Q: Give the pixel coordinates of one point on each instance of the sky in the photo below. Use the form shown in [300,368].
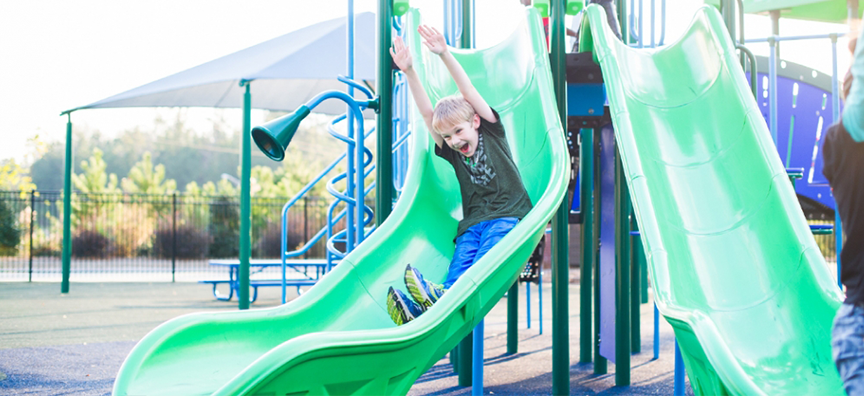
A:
[60,54]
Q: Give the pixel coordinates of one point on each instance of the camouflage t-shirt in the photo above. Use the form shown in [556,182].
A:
[490,184]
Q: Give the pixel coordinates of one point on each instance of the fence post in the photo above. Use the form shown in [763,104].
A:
[173,235]
[305,219]
[32,207]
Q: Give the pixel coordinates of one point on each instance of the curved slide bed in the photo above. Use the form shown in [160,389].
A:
[734,266]
[337,338]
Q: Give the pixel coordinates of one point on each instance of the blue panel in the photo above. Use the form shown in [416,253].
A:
[576,205]
[812,109]
[607,243]
[585,99]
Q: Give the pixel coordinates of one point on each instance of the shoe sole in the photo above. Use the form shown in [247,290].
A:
[393,308]
[416,291]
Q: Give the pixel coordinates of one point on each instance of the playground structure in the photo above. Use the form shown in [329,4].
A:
[269,351]
[717,354]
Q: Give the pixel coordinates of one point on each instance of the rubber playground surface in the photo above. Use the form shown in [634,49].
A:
[74,344]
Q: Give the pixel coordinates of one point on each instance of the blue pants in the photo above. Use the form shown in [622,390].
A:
[474,243]
[847,347]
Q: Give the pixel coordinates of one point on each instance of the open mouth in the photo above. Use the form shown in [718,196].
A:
[464,149]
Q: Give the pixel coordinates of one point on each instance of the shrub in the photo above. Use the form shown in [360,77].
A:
[268,244]
[192,243]
[10,235]
[224,228]
[89,243]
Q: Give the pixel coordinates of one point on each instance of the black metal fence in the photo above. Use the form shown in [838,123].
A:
[143,237]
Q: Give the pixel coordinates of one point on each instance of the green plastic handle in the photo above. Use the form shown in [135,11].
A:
[400,7]
[574,7]
[543,7]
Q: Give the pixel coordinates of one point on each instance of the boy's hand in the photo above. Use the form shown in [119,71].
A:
[401,55]
[434,40]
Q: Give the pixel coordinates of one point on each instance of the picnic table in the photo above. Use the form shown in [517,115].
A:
[303,273]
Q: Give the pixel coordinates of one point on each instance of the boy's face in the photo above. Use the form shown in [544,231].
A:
[463,136]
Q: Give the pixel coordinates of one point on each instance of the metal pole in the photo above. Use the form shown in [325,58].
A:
[656,332]
[465,366]
[635,289]
[527,304]
[477,370]
[679,372]
[467,37]
[622,275]
[67,208]
[653,23]
[513,319]
[622,21]
[173,236]
[641,25]
[540,300]
[467,356]
[305,219]
[560,223]
[384,172]
[32,210]
[586,178]
[355,188]
[775,30]
[245,198]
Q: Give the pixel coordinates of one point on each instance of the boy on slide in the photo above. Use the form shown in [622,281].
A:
[469,135]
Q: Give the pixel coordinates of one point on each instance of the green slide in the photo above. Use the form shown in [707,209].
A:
[337,338]
[734,267]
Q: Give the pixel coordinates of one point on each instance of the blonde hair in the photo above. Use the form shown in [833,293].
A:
[450,111]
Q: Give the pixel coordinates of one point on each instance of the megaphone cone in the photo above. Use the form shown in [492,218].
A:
[273,137]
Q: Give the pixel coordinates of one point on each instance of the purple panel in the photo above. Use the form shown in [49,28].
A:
[607,243]
[812,109]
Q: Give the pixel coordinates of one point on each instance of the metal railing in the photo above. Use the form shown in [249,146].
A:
[144,237]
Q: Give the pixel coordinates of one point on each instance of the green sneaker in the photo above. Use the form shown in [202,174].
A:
[401,309]
[424,292]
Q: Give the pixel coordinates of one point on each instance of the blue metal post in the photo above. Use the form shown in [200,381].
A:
[528,303]
[653,22]
[540,299]
[477,373]
[679,372]
[656,332]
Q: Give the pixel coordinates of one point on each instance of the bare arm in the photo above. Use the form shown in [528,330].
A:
[435,42]
[402,58]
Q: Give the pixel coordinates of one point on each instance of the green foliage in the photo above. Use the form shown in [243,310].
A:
[90,243]
[224,228]
[187,155]
[192,242]
[222,188]
[197,161]
[14,177]
[144,178]
[10,235]
[95,179]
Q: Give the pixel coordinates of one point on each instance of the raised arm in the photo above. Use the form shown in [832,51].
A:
[435,42]
[402,58]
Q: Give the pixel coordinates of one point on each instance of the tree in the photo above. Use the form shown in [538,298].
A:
[10,235]
[144,178]
[14,177]
[95,178]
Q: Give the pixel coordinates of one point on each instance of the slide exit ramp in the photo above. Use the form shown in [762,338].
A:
[337,338]
[735,269]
